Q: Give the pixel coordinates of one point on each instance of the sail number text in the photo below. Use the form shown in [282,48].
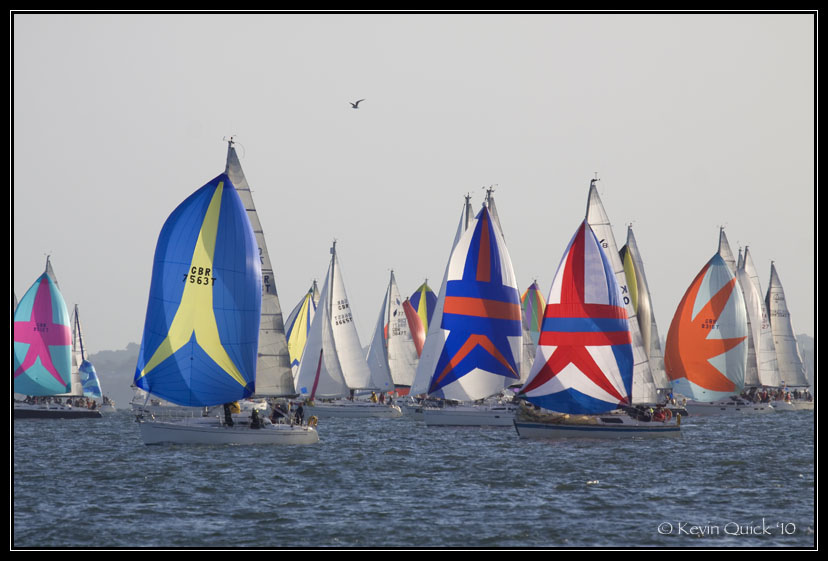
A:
[345,315]
[200,275]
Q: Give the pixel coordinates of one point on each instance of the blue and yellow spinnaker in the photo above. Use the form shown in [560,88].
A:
[202,326]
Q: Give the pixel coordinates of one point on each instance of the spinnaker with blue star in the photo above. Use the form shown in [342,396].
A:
[201,333]
[477,349]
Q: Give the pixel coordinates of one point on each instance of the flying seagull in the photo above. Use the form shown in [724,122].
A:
[356,105]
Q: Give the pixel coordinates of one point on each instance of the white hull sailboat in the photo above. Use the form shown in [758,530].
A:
[475,341]
[213,333]
[793,405]
[333,365]
[465,415]
[353,409]
[707,343]
[734,405]
[392,354]
[791,366]
[212,430]
[44,369]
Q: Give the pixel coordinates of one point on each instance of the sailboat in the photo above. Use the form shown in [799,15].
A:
[419,308]
[706,350]
[42,369]
[333,367]
[392,353]
[642,302]
[297,325]
[581,381]
[762,368]
[86,370]
[201,345]
[532,306]
[475,341]
[791,367]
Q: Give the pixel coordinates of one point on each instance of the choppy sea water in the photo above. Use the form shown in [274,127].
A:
[727,482]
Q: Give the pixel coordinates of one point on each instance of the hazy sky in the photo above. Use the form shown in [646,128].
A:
[691,121]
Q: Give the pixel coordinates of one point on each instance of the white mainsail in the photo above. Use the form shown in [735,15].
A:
[644,388]
[273,373]
[392,354]
[320,374]
[762,368]
[726,252]
[334,338]
[791,366]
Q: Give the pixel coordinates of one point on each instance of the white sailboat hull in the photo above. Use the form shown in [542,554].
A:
[727,407]
[353,409]
[210,430]
[623,427]
[795,405]
[470,416]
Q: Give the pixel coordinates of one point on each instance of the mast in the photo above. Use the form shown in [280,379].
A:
[80,334]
